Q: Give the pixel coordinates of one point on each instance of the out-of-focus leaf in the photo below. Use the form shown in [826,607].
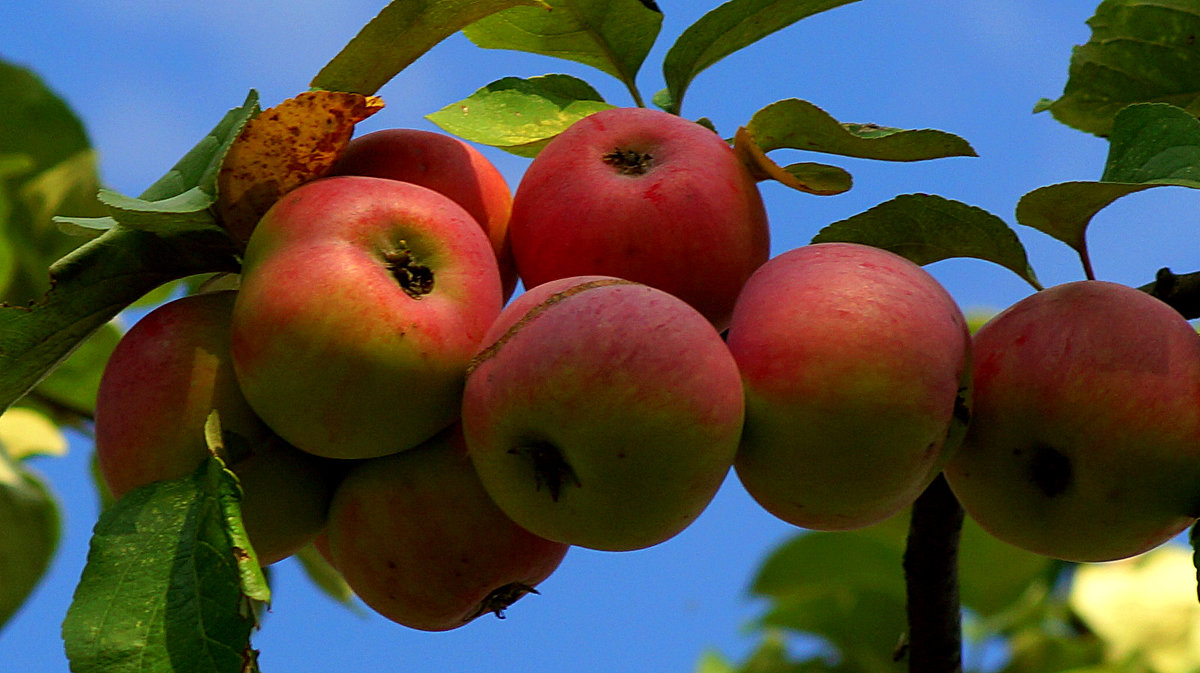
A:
[282,148]
[994,575]
[25,432]
[1037,649]
[1139,52]
[164,585]
[1139,608]
[726,29]
[520,115]
[73,384]
[798,124]
[399,35]
[611,35]
[926,228]
[820,179]
[30,523]
[1152,145]
[325,576]
[865,625]
[34,121]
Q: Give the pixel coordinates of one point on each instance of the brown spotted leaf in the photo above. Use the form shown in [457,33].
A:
[287,145]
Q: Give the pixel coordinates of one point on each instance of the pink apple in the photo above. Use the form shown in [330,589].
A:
[855,363]
[1085,441]
[444,164]
[417,538]
[362,301]
[602,413]
[643,195]
[169,371]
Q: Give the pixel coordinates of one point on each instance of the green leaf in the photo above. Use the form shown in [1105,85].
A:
[611,35]
[182,212]
[994,575]
[798,124]
[813,564]
[726,29]
[34,121]
[325,576]
[399,35]
[926,229]
[1151,145]
[30,520]
[520,115]
[73,384]
[163,589]
[1140,51]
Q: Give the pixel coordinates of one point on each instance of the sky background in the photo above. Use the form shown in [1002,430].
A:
[150,79]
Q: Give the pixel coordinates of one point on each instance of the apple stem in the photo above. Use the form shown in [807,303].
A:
[931,576]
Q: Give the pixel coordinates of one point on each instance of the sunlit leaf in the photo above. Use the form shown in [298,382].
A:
[813,178]
[399,35]
[798,124]
[726,29]
[927,229]
[611,35]
[30,523]
[520,115]
[282,148]
[25,432]
[1139,52]
[163,583]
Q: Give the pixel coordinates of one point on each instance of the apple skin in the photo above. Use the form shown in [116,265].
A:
[446,165]
[417,538]
[856,368]
[1085,441]
[692,225]
[330,348]
[164,377]
[602,413]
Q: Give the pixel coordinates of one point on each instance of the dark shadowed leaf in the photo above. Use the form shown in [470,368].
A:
[611,35]
[1139,52]
[726,29]
[520,115]
[30,523]
[798,124]
[163,588]
[1151,145]
[72,385]
[402,32]
[926,229]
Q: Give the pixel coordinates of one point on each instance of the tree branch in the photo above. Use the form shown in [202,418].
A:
[931,574]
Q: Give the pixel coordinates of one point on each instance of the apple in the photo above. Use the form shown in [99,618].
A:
[417,538]
[602,413]
[643,195]
[444,164]
[856,368]
[1085,441]
[362,301]
[167,373]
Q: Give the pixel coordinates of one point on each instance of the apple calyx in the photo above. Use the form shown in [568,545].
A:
[550,469]
[500,599]
[534,312]
[1050,470]
[630,162]
[415,279]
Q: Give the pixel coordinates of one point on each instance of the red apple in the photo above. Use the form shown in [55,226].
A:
[643,195]
[1085,441]
[417,538]
[446,165]
[362,301]
[169,371]
[602,413]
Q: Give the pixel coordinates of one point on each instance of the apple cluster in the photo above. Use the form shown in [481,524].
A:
[384,396]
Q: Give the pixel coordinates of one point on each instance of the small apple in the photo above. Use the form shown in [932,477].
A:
[168,372]
[602,413]
[362,301]
[446,165]
[417,538]
[856,368]
[1085,440]
[643,195]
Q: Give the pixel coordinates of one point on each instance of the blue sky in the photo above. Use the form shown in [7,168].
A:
[149,79]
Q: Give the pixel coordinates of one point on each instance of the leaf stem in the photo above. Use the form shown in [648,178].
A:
[931,576]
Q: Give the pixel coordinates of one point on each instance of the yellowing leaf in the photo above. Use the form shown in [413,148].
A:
[1142,607]
[284,147]
[25,432]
